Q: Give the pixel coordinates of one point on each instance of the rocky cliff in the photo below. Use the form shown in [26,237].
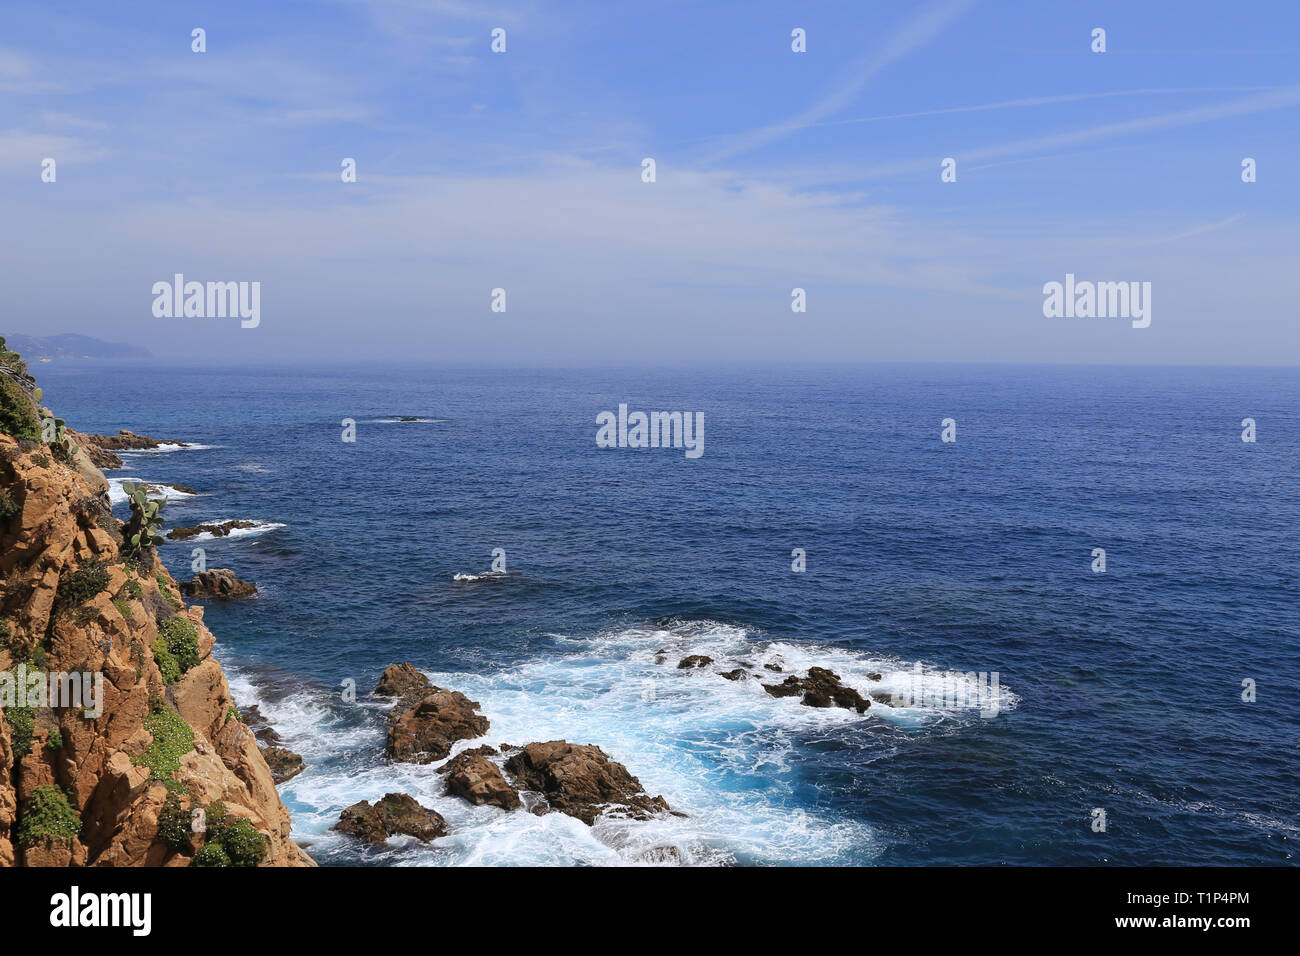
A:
[115,778]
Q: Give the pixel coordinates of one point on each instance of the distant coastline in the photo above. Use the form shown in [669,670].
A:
[72,346]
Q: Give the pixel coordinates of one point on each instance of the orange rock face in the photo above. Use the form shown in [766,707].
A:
[71,603]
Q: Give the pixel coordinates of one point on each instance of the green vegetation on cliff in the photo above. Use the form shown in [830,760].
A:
[172,740]
[49,818]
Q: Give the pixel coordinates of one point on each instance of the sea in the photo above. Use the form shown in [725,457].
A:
[1147,713]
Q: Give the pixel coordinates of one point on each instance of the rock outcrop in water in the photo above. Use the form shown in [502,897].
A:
[471,775]
[400,680]
[577,779]
[821,688]
[396,813]
[284,763]
[114,787]
[217,584]
[423,728]
[216,530]
[129,441]
[581,780]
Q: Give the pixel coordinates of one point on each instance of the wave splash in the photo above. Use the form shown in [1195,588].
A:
[724,752]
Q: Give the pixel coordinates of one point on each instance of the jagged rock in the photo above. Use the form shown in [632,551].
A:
[129,441]
[284,764]
[258,724]
[401,680]
[885,699]
[790,687]
[395,813]
[738,674]
[99,456]
[821,688]
[154,491]
[873,677]
[55,532]
[422,728]
[773,667]
[216,530]
[581,780]
[693,661]
[472,776]
[218,584]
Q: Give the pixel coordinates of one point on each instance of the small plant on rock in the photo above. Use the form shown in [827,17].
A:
[182,640]
[174,824]
[49,818]
[143,527]
[79,586]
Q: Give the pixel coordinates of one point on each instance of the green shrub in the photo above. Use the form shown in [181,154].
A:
[12,360]
[211,854]
[134,590]
[5,633]
[79,586]
[84,615]
[50,818]
[243,844]
[174,824]
[41,460]
[123,607]
[17,416]
[182,640]
[172,740]
[214,816]
[229,842]
[165,589]
[54,741]
[22,724]
[166,661]
[9,509]
[234,714]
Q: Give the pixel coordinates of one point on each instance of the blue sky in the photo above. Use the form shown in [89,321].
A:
[522,170]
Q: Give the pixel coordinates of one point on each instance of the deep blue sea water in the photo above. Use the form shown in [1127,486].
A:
[1120,691]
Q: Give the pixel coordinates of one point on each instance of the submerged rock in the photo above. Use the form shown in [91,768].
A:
[423,727]
[395,813]
[218,584]
[738,673]
[581,780]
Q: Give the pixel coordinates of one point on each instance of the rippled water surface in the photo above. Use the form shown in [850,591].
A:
[1119,691]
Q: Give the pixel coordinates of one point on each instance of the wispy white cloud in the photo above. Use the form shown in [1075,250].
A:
[22,150]
[1278,98]
[914,34]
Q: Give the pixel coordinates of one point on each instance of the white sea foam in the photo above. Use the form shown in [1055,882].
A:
[162,449]
[117,496]
[466,578]
[259,527]
[725,753]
